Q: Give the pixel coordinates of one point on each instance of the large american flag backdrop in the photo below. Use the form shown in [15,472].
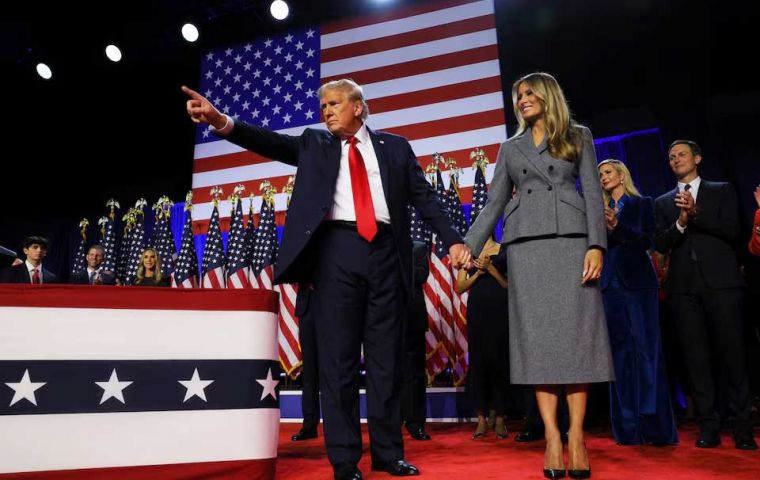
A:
[430,73]
[137,383]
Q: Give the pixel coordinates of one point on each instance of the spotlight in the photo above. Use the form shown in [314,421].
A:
[189,32]
[113,53]
[279,9]
[44,71]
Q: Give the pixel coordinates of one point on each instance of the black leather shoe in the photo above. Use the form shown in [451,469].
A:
[707,441]
[419,434]
[529,436]
[347,472]
[554,473]
[745,442]
[304,434]
[579,473]
[397,468]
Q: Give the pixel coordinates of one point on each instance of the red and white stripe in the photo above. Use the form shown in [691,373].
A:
[190,282]
[239,279]
[214,278]
[460,332]
[430,73]
[287,336]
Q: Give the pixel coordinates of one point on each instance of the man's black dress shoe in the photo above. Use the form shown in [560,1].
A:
[347,472]
[745,442]
[397,468]
[707,441]
[304,434]
[529,436]
[418,434]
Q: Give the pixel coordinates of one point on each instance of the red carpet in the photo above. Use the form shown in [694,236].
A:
[452,454]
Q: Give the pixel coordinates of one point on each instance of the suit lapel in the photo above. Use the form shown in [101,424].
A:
[673,211]
[381,153]
[704,191]
[531,152]
[332,161]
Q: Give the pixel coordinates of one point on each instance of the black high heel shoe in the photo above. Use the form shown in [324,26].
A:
[554,473]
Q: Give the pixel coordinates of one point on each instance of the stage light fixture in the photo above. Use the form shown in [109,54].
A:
[279,9]
[44,71]
[113,53]
[190,32]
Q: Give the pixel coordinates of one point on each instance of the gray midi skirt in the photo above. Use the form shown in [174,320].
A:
[557,328]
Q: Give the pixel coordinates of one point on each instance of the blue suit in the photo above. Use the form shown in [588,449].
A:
[640,408]
[355,291]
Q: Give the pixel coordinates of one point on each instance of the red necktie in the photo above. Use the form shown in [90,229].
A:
[365,211]
[35,276]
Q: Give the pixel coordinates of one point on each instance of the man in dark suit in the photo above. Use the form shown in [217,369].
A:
[94,273]
[413,410]
[697,223]
[347,244]
[31,271]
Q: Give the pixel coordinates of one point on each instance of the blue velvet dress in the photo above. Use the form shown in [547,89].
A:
[640,408]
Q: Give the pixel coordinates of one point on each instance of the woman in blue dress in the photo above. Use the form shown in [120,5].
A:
[640,409]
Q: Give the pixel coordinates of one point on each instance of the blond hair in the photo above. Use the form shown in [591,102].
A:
[563,140]
[352,89]
[628,186]
[141,267]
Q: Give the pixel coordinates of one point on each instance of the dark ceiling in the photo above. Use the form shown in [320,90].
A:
[99,129]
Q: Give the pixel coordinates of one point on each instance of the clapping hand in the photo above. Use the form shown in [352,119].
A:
[610,217]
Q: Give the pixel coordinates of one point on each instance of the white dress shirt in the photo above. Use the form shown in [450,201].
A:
[31,268]
[694,190]
[343,200]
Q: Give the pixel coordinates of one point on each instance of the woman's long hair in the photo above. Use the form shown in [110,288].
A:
[563,140]
[630,188]
[141,267]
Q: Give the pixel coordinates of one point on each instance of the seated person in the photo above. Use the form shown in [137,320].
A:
[31,271]
[94,274]
[149,271]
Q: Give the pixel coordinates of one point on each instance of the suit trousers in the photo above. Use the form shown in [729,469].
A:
[413,409]
[708,323]
[307,337]
[358,301]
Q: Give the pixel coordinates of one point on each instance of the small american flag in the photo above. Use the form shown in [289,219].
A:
[213,254]
[237,252]
[108,237]
[137,242]
[479,190]
[265,245]
[78,264]
[459,323]
[129,224]
[186,273]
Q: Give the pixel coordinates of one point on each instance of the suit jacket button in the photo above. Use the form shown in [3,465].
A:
[551,168]
[530,191]
[525,171]
[549,188]
[308,232]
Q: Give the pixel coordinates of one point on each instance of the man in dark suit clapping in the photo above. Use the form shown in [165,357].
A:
[94,273]
[697,223]
[347,244]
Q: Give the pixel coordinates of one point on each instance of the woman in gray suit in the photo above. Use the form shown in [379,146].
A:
[555,239]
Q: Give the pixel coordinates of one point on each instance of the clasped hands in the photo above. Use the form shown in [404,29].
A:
[685,201]
[460,255]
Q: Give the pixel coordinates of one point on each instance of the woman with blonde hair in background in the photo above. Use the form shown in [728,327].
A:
[640,408]
[149,271]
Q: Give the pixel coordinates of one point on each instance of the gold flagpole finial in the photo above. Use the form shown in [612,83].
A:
[103,221]
[189,201]
[216,193]
[113,205]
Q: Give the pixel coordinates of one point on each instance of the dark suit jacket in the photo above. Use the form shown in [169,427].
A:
[108,278]
[417,311]
[708,240]
[20,274]
[316,153]
[627,246]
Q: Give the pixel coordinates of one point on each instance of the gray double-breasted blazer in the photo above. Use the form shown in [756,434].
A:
[546,201]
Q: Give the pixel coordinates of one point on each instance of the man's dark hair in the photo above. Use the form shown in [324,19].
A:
[35,239]
[97,246]
[695,150]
